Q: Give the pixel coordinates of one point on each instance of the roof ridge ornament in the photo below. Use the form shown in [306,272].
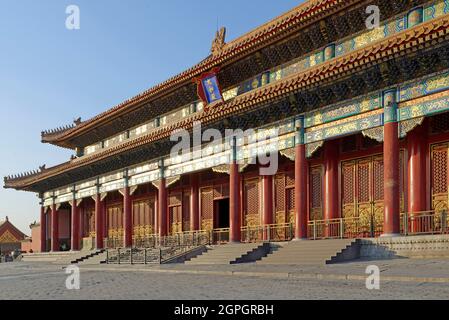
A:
[219,42]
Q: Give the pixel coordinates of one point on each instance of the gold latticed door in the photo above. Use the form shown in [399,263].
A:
[207,209]
[175,213]
[362,196]
[251,211]
[440,177]
[115,225]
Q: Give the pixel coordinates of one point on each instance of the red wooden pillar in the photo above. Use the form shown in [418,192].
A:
[391,165]
[162,208]
[267,182]
[128,223]
[300,182]
[235,231]
[416,170]
[331,180]
[82,221]
[99,222]
[43,229]
[75,234]
[54,229]
[331,158]
[194,203]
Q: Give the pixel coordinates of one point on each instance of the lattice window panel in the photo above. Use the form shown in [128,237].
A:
[316,194]
[279,184]
[207,204]
[439,168]
[378,177]
[290,199]
[252,203]
[290,205]
[363,182]
[175,199]
[348,170]
[186,212]
[290,179]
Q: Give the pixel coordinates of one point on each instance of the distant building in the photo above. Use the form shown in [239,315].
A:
[33,244]
[10,237]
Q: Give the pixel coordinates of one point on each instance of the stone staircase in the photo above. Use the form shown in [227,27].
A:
[231,254]
[49,257]
[312,252]
[65,258]
[93,257]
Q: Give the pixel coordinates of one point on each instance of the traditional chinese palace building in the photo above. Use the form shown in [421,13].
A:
[363,123]
[10,237]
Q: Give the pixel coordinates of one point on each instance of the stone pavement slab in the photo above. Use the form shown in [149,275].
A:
[47,282]
[429,270]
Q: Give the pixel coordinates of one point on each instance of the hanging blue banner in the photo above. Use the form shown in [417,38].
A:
[211,89]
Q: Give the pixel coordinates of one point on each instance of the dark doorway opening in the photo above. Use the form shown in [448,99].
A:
[221,214]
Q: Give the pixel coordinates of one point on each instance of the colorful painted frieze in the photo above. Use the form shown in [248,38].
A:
[425,106]
[343,110]
[424,87]
[344,127]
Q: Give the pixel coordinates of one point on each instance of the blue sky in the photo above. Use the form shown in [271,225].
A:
[49,75]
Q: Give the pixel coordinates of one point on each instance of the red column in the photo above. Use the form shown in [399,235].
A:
[330,207]
[391,166]
[416,188]
[82,223]
[75,240]
[267,182]
[301,192]
[301,218]
[128,223]
[43,230]
[235,232]
[331,180]
[54,229]
[194,204]
[162,208]
[99,222]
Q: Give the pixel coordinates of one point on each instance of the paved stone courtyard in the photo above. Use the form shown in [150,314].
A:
[44,281]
